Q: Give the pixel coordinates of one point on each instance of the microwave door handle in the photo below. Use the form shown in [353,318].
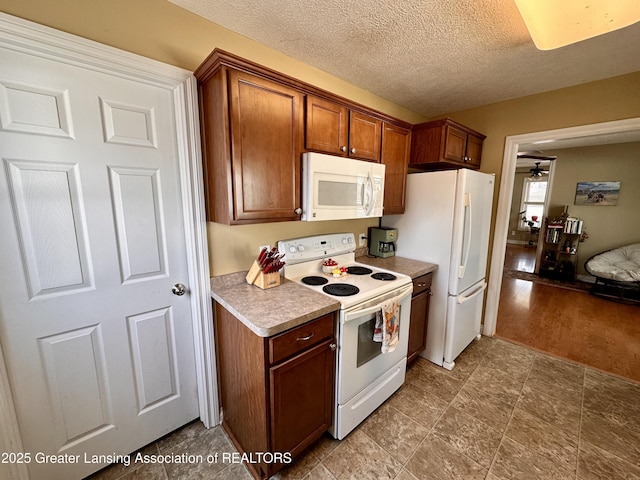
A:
[372,198]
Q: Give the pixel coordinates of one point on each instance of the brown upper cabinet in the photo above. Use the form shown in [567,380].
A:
[252,141]
[253,136]
[333,128]
[396,146]
[445,144]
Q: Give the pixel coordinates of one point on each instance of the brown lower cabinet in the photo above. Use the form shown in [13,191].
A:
[419,316]
[276,393]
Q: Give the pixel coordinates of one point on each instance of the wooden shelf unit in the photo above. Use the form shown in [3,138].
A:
[561,243]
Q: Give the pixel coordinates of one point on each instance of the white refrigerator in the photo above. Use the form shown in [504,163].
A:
[446,222]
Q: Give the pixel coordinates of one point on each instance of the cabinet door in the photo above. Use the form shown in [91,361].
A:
[455,144]
[327,127]
[418,324]
[396,145]
[302,398]
[266,144]
[474,151]
[364,136]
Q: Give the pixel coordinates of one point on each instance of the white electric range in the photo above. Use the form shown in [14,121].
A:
[365,377]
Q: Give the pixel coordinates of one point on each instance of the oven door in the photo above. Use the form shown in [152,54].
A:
[361,361]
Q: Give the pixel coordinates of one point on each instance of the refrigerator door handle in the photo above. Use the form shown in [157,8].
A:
[462,299]
[469,210]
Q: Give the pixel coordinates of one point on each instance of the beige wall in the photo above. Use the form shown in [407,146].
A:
[607,226]
[160,30]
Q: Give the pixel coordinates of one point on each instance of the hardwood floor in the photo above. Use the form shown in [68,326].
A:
[572,325]
[520,257]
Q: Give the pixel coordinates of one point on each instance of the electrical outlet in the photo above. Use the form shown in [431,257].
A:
[362,240]
[513,232]
[268,247]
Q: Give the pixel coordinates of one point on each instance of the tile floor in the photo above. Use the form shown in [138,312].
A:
[504,412]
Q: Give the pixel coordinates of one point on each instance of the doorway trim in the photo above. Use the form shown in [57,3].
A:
[27,37]
[513,143]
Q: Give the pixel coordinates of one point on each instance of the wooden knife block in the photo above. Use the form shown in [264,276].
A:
[262,280]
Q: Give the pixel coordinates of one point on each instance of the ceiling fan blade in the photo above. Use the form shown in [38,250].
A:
[536,156]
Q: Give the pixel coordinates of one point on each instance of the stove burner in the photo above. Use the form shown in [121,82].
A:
[359,270]
[340,289]
[314,280]
[383,276]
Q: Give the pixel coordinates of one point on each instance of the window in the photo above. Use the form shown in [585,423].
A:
[534,192]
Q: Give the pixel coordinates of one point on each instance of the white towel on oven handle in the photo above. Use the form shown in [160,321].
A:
[387,327]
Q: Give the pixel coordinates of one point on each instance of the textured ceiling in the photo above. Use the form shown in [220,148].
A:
[430,56]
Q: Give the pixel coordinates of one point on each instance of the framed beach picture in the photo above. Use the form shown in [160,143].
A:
[597,193]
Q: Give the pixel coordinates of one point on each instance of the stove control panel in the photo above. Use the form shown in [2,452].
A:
[303,249]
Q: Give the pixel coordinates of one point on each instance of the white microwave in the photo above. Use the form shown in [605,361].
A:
[338,188]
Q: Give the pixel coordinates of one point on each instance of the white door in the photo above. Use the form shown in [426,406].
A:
[99,351]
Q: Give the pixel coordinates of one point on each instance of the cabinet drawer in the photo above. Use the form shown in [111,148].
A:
[300,338]
[422,283]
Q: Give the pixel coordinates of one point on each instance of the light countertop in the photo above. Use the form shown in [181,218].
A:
[271,311]
[274,310]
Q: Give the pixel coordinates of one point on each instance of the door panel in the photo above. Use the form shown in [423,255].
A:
[137,206]
[152,340]
[78,384]
[50,221]
[99,352]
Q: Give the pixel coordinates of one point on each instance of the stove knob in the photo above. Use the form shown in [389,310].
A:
[292,249]
[349,240]
[301,248]
[344,240]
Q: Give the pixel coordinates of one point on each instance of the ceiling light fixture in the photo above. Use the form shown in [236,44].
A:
[553,23]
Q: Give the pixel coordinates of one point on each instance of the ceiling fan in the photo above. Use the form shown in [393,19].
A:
[537,155]
[537,171]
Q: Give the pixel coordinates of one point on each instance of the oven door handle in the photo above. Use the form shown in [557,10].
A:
[374,308]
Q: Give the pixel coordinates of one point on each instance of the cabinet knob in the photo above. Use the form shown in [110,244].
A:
[353,150]
[298,211]
[333,347]
[343,148]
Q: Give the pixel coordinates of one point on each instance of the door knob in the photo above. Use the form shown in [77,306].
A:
[179,289]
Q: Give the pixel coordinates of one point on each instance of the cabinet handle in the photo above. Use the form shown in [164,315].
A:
[343,148]
[353,150]
[333,347]
[298,211]
[422,284]
[304,339]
